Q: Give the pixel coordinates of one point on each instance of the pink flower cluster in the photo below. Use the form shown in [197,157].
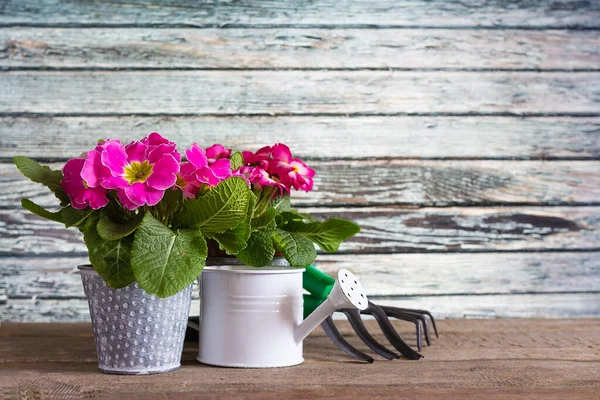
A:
[274,166]
[141,171]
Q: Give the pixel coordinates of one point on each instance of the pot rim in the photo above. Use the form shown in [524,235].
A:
[244,269]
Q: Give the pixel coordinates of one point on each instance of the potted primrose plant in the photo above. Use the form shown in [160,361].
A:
[251,305]
[145,217]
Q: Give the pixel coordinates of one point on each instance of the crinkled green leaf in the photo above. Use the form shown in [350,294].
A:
[282,204]
[234,240]
[165,262]
[110,230]
[297,249]
[250,209]
[44,175]
[111,258]
[328,235]
[266,220]
[259,250]
[223,208]
[237,160]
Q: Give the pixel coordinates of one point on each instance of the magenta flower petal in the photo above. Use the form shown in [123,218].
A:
[96,197]
[222,168]
[187,169]
[216,152]
[302,168]
[125,202]
[136,151]
[80,194]
[155,139]
[93,170]
[157,152]
[262,154]
[282,153]
[164,173]
[197,156]
[142,194]
[207,175]
[112,182]
[114,157]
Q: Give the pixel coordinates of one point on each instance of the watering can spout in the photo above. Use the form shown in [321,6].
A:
[347,292]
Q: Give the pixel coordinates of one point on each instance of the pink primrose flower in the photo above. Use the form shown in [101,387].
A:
[80,193]
[140,171]
[208,173]
[187,181]
[292,171]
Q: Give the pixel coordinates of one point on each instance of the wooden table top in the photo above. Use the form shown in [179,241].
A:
[471,359]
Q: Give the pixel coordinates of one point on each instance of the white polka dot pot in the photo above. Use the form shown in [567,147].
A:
[135,333]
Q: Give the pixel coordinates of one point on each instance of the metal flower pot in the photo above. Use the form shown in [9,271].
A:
[135,333]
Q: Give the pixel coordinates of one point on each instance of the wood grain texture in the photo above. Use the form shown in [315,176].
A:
[473,13]
[383,230]
[298,48]
[318,137]
[390,275]
[473,358]
[405,182]
[298,92]
[541,305]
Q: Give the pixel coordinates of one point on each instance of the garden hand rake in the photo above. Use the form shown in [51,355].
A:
[319,284]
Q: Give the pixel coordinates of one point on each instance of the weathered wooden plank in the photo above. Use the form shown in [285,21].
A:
[389,275]
[298,92]
[319,137]
[298,48]
[563,305]
[451,13]
[409,182]
[493,359]
[383,230]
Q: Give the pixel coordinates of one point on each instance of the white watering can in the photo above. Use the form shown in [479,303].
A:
[252,317]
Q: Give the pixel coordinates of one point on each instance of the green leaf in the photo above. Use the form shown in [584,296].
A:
[68,215]
[110,230]
[328,235]
[297,249]
[250,210]
[74,217]
[223,208]
[282,204]
[42,212]
[110,258]
[266,220]
[259,250]
[234,240]
[165,262]
[237,160]
[44,175]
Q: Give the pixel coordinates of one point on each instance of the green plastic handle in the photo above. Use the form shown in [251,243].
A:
[319,285]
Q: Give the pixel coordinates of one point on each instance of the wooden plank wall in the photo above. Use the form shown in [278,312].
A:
[464,136]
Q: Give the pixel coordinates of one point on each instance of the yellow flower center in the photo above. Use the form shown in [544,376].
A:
[180,181]
[138,172]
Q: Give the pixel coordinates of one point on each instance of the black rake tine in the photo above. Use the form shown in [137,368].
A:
[393,312]
[390,332]
[424,312]
[357,324]
[405,316]
[337,338]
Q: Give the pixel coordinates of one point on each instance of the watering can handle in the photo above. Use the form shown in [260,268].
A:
[319,285]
